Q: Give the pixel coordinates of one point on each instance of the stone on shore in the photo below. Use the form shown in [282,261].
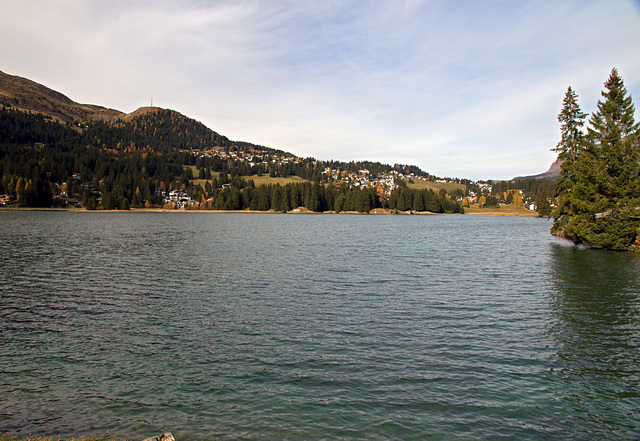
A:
[164,437]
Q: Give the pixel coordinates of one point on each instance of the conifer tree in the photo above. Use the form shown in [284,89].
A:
[613,140]
[599,191]
[569,148]
[571,119]
[418,201]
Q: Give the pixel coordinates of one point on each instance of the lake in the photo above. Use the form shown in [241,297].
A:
[306,327]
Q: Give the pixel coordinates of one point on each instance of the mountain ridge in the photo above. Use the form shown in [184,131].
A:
[24,94]
[57,153]
[552,173]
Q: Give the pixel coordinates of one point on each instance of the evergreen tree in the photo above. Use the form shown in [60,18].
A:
[339,203]
[492,202]
[418,201]
[542,204]
[136,201]
[570,147]
[276,198]
[571,120]
[599,192]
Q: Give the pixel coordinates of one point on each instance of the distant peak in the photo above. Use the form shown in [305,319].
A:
[552,173]
[142,111]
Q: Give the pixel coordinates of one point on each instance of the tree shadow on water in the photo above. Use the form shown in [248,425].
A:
[595,323]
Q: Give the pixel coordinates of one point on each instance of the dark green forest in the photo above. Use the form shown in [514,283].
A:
[243,195]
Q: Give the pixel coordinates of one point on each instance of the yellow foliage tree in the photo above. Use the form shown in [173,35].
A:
[517,200]
[381,193]
[20,186]
[482,201]
[137,198]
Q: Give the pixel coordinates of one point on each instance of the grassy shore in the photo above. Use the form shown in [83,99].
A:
[507,210]
[419,184]
[259,180]
[504,210]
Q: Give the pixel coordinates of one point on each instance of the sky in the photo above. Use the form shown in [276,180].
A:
[463,89]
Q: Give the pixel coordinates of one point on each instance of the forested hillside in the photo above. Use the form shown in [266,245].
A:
[161,130]
[140,160]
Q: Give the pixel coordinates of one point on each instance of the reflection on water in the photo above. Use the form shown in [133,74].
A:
[596,305]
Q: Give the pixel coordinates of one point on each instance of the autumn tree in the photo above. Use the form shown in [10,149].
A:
[136,201]
[517,200]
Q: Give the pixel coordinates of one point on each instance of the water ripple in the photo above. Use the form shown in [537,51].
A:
[313,327]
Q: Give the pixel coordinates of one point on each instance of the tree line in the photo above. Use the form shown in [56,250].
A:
[242,194]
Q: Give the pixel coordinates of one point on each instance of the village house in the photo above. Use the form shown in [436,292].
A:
[178,198]
[6,199]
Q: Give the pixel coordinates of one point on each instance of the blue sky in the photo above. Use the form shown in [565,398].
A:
[460,88]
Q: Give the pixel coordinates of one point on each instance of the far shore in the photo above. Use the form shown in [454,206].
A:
[503,211]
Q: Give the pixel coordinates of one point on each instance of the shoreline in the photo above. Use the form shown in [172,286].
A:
[533,214]
[299,210]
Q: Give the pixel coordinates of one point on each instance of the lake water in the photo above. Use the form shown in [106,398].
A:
[308,327]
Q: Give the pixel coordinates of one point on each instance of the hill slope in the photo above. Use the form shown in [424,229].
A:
[146,127]
[164,129]
[23,94]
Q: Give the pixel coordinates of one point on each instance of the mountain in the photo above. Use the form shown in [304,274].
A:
[23,94]
[165,129]
[552,173]
[146,127]
[109,159]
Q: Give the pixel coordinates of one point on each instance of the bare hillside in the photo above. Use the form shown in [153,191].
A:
[23,94]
